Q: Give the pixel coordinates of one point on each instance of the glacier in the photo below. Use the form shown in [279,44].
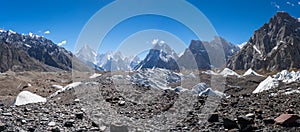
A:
[272,82]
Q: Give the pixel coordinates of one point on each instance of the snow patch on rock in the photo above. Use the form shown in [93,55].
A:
[68,87]
[242,45]
[210,72]
[95,75]
[256,49]
[57,87]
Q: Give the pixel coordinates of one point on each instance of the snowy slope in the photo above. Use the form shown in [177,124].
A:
[26,97]
[228,72]
[251,72]
[267,84]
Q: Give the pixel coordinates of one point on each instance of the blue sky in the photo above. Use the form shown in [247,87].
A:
[235,20]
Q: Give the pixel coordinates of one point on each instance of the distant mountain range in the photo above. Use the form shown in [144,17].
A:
[107,61]
[21,52]
[162,56]
[274,46]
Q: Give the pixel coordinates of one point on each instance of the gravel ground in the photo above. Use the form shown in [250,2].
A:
[102,106]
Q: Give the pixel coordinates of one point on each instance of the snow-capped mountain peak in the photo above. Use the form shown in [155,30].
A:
[87,54]
[242,45]
[160,56]
[108,61]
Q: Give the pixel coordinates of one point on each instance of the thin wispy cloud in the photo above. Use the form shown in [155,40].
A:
[289,3]
[275,5]
[47,32]
[62,43]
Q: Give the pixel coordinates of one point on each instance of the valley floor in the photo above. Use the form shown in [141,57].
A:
[111,101]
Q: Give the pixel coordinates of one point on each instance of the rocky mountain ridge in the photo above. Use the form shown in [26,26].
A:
[274,46]
[199,55]
[21,52]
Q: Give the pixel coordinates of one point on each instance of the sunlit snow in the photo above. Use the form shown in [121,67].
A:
[26,97]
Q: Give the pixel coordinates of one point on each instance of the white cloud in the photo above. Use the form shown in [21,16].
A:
[275,5]
[299,3]
[162,42]
[289,3]
[154,41]
[47,32]
[62,43]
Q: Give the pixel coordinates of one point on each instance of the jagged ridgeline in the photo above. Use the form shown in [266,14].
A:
[30,52]
[274,46]
[196,56]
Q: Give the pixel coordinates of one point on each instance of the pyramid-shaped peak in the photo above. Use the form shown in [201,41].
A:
[283,16]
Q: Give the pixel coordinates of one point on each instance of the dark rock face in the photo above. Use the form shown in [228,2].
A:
[213,117]
[195,55]
[17,60]
[205,55]
[31,52]
[275,46]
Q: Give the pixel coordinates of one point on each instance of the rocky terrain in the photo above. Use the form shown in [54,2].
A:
[112,103]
